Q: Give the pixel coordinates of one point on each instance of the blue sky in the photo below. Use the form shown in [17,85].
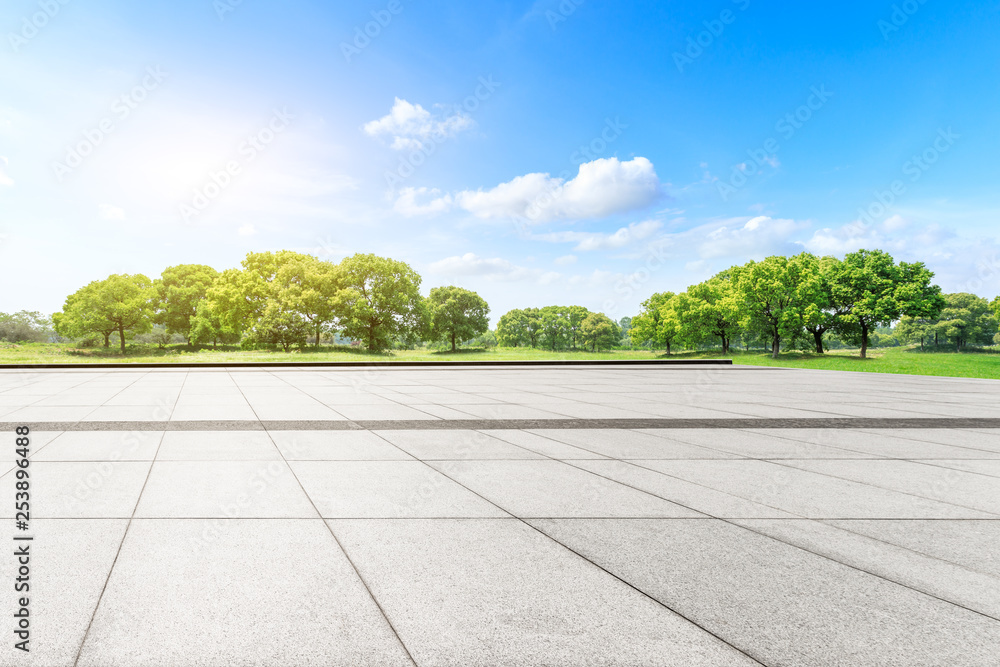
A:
[575,152]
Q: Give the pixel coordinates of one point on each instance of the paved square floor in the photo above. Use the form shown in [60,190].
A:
[506,516]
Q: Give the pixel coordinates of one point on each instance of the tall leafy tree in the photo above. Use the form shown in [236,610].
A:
[710,310]
[121,304]
[25,326]
[910,329]
[823,313]
[575,315]
[380,301]
[967,320]
[657,324]
[775,293]
[456,314]
[180,290]
[599,332]
[511,329]
[555,327]
[207,327]
[312,287]
[874,291]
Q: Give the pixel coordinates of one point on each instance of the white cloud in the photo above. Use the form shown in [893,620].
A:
[111,212]
[603,187]
[565,260]
[757,236]
[247,230]
[494,268]
[4,178]
[411,126]
[585,241]
[407,205]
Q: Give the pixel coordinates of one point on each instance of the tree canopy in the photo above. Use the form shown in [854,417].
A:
[456,315]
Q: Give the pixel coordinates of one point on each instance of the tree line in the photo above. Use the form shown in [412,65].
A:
[279,298]
[788,300]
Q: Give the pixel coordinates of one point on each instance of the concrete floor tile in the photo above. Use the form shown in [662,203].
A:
[537,442]
[622,444]
[231,489]
[65,584]
[807,494]
[495,592]
[970,544]
[754,445]
[387,489]
[779,603]
[217,446]
[554,489]
[336,446]
[101,446]
[282,591]
[883,444]
[85,490]
[457,445]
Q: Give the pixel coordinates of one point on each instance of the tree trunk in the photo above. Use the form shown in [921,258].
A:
[318,325]
[775,345]
[668,349]
[107,340]
[452,341]
[818,337]
[864,341]
[121,334]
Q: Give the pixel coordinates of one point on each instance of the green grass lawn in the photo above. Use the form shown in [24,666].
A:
[978,364]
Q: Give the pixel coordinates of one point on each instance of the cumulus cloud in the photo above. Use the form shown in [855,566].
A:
[408,206]
[757,236]
[410,126]
[495,268]
[565,260]
[5,180]
[110,212]
[602,188]
[637,231]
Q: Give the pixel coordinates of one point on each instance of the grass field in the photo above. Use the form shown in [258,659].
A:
[978,364]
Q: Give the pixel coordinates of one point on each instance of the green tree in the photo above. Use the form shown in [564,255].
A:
[599,332]
[555,327]
[967,320]
[823,313]
[25,326]
[380,300]
[657,325]
[206,327]
[121,304]
[775,293]
[312,287]
[456,314]
[575,315]
[910,329]
[872,291]
[710,310]
[511,329]
[180,290]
